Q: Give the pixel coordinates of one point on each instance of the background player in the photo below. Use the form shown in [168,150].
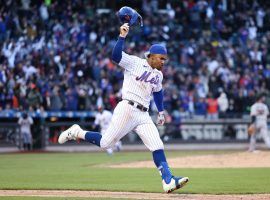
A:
[259,112]
[25,123]
[103,119]
[142,78]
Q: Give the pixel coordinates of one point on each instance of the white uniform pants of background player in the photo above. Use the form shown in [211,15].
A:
[27,140]
[127,118]
[261,128]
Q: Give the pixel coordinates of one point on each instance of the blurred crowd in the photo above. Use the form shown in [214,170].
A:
[56,56]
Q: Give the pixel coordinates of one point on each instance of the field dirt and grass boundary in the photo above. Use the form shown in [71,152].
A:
[230,160]
[127,195]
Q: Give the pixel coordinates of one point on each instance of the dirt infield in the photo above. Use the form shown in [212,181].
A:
[127,195]
[232,160]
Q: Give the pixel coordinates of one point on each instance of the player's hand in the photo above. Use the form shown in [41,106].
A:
[124,30]
[161,119]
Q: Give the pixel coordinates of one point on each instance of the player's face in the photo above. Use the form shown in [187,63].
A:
[100,109]
[157,61]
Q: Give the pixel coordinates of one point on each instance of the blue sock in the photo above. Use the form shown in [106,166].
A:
[93,137]
[159,157]
[162,165]
[165,172]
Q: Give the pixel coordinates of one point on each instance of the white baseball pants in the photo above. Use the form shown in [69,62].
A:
[127,118]
[263,130]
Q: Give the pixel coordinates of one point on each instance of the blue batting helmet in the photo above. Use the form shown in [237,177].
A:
[129,15]
[156,49]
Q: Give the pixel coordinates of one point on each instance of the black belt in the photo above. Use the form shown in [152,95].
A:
[139,106]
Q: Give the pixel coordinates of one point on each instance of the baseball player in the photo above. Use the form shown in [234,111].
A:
[103,119]
[259,112]
[142,79]
[25,123]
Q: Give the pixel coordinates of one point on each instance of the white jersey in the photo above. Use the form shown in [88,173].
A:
[103,119]
[25,124]
[140,79]
[261,111]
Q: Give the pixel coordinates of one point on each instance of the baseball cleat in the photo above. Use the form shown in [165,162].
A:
[174,184]
[69,134]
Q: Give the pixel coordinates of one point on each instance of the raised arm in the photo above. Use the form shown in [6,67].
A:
[119,46]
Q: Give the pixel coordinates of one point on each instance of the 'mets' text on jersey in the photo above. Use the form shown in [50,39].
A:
[145,77]
[140,79]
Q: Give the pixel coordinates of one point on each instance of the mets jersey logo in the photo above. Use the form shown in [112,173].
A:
[145,77]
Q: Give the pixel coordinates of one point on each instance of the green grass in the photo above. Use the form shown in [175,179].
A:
[81,171]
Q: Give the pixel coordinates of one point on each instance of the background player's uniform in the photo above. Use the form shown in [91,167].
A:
[103,119]
[140,81]
[260,111]
[25,130]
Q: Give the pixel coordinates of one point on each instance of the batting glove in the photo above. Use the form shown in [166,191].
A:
[161,119]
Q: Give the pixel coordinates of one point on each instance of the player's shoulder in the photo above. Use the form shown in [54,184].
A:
[131,57]
[107,112]
[265,105]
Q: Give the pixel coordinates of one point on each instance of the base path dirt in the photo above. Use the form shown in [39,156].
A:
[231,160]
[127,195]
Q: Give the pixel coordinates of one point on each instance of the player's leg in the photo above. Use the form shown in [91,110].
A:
[252,142]
[109,151]
[265,135]
[150,137]
[118,146]
[119,126]
[122,122]
[76,132]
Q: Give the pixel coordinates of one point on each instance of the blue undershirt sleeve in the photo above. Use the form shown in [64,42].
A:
[117,50]
[158,98]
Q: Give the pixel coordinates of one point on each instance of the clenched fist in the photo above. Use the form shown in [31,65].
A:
[124,30]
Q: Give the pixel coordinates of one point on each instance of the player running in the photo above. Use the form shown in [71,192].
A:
[142,79]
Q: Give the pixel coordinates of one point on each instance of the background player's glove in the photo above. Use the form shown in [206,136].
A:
[251,129]
[124,30]
[161,119]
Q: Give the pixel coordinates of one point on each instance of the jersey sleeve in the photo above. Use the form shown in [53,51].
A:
[128,62]
[159,85]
